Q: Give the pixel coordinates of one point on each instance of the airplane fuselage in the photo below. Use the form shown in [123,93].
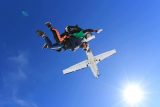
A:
[92,63]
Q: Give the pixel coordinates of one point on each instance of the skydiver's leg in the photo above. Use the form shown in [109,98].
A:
[46,39]
[84,46]
[55,33]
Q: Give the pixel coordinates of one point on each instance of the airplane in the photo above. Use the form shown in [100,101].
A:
[91,62]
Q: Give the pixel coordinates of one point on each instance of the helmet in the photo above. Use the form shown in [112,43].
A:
[72,28]
[66,29]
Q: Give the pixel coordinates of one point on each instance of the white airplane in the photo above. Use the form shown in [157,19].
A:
[91,62]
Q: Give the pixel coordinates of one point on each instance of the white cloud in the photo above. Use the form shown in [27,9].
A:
[21,59]
[12,80]
[24,103]
[21,102]
[16,102]
[20,62]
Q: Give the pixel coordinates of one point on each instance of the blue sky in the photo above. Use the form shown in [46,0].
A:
[32,77]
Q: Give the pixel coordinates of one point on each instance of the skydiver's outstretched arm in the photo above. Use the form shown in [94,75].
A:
[89,30]
[76,28]
[92,30]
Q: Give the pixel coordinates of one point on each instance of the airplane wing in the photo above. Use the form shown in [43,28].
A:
[76,67]
[104,55]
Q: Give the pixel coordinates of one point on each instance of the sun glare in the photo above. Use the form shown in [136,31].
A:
[133,94]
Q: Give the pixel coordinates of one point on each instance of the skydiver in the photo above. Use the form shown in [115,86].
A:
[79,34]
[71,38]
[75,35]
[59,38]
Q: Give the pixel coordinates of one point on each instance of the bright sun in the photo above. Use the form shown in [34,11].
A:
[133,94]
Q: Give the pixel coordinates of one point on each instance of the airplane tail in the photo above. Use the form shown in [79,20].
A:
[94,60]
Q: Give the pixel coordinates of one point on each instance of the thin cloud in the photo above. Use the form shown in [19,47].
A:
[16,102]
[19,62]
[21,59]
[12,81]
[24,103]
[21,102]
[22,74]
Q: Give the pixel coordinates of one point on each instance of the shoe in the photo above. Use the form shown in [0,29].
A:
[48,24]
[40,33]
